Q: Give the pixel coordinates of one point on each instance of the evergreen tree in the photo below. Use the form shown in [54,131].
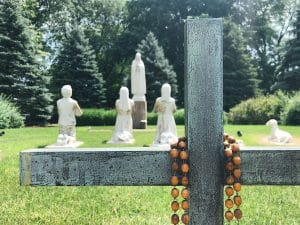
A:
[239,73]
[20,74]
[158,69]
[289,71]
[76,65]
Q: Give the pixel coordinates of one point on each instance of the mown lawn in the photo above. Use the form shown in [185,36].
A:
[262,205]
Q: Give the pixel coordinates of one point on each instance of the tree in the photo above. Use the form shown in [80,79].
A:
[76,65]
[20,76]
[158,69]
[289,70]
[239,74]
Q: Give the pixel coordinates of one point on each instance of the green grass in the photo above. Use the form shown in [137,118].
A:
[262,205]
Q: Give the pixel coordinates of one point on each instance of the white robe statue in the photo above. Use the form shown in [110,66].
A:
[278,136]
[67,108]
[123,126]
[138,79]
[166,128]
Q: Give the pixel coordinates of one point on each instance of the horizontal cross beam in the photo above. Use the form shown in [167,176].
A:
[145,166]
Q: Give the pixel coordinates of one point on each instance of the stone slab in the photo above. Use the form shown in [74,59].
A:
[139,115]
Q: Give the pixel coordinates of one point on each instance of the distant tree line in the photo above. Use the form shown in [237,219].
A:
[90,44]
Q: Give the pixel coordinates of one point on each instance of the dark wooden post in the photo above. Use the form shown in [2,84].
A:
[204,126]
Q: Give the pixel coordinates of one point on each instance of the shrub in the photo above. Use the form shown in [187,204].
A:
[10,116]
[258,110]
[178,116]
[291,113]
[97,117]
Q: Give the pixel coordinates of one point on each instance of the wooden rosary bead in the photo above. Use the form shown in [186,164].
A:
[236,160]
[238,214]
[237,173]
[185,204]
[185,168]
[181,144]
[235,147]
[183,155]
[175,219]
[229,191]
[226,144]
[230,180]
[228,215]
[229,203]
[175,206]
[174,153]
[184,180]
[174,180]
[175,166]
[237,200]
[175,192]
[231,140]
[228,152]
[185,218]
[229,166]
[237,186]
[185,193]
[182,139]
[225,136]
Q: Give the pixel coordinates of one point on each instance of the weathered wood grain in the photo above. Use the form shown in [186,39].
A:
[145,166]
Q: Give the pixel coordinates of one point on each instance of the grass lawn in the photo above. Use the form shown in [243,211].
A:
[262,205]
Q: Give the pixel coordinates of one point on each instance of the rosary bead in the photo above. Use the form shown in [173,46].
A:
[229,203]
[183,155]
[237,200]
[185,180]
[182,139]
[185,168]
[175,166]
[185,204]
[174,180]
[175,219]
[175,192]
[236,160]
[231,139]
[235,147]
[173,153]
[229,166]
[185,218]
[237,186]
[228,152]
[225,136]
[237,173]
[226,144]
[185,193]
[175,206]
[181,144]
[238,214]
[228,215]
[230,180]
[229,191]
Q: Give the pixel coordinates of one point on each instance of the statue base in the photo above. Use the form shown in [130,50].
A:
[139,115]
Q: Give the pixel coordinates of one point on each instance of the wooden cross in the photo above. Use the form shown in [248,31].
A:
[151,166]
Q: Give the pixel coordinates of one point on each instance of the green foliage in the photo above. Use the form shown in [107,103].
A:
[178,116]
[289,71]
[239,74]
[96,117]
[257,110]
[10,116]
[20,76]
[291,113]
[76,65]
[158,69]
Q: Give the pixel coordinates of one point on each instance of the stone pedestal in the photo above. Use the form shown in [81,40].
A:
[139,115]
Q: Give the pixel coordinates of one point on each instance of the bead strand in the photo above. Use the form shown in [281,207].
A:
[233,162]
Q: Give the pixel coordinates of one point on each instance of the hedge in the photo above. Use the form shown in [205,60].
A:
[10,116]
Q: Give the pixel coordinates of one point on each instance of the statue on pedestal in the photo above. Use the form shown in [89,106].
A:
[166,127]
[67,108]
[123,126]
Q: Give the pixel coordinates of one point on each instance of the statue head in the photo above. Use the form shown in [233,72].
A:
[138,56]
[166,91]
[124,98]
[66,91]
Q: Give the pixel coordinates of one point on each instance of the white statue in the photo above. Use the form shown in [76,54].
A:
[166,128]
[123,126]
[67,108]
[277,135]
[138,80]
